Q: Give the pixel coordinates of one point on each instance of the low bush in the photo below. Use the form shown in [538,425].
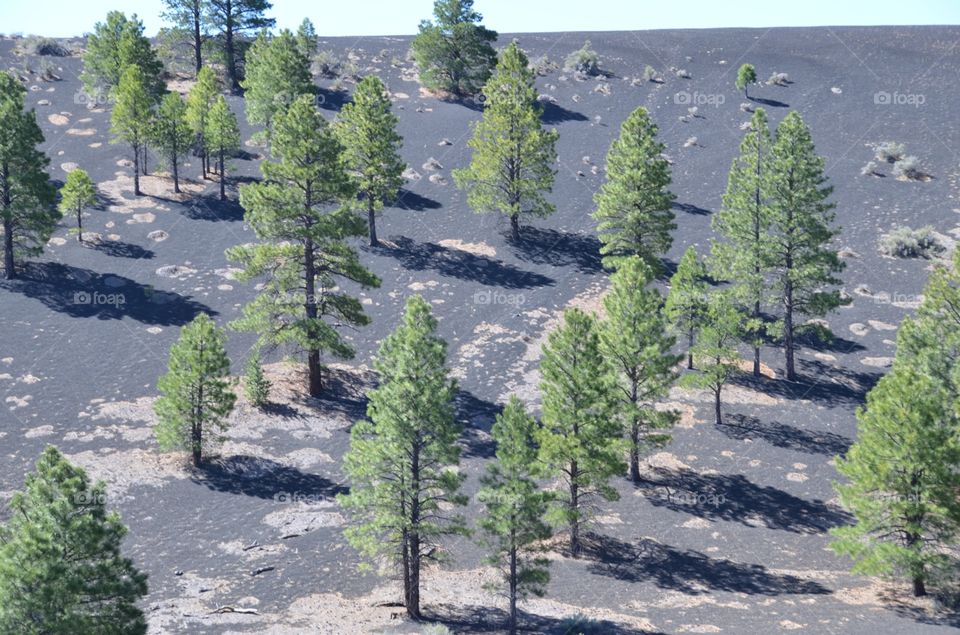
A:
[907,168]
[904,242]
[890,151]
[585,60]
[36,45]
[327,64]
[582,625]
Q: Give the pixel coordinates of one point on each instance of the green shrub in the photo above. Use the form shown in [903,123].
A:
[256,385]
[904,242]
[908,167]
[890,151]
[327,64]
[582,625]
[36,45]
[585,61]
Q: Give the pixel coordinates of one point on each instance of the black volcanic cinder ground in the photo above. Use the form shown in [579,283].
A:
[753,559]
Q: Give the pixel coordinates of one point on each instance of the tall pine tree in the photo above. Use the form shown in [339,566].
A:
[580,441]
[171,133]
[804,266]
[114,45]
[196,395]
[188,16]
[513,155]
[401,462]
[634,207]
[298,214]
[368,131]
[454,53]
[277,73]
[231,20]
[200,100]
[222,137]
[61,568]
[77,194]
[27,198]
[687,299]
[744,256]
[716,348]
[635,339]
[130,121]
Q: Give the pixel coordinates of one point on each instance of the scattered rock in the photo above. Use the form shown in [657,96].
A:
[58,120]
[158,235]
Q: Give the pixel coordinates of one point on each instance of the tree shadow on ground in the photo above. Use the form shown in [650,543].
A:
[773,103]
[263,478]
[211,208]
[121,249]
[413,201]
[462,265]
[690,208]
[687,571]
[478,416]
[558,248]
[816,381]
[901,606]
[485,619]
[328,99]
[734,498]
[555,113]
[835,344]
[83,293]
[747,428]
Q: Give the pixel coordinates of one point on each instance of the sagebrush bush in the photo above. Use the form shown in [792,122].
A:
[890,151]
[36,45]
[779,79]
[649,73]
[585,60]
[327,64]
[908,167]
[582,625]
[904,242]
[869,168]
[543,65]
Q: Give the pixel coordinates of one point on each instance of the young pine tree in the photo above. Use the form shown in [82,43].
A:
[716,348]
[307,39]
[687,300]
[744,256]
[580,441]
[297,212]
[513,155]
[634,215]
[255,385]
[746,75]
[635,339]
[171,133]
[801,227]
[61,568]
[454,53]
[196,396]
[28,212]
[200,101]
[130,121]
[514,508]
[277,73]
[222,137]
[368,131]
[401,462]
[114,45]
[77,194]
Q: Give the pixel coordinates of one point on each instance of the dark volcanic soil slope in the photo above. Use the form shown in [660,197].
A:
[80,372]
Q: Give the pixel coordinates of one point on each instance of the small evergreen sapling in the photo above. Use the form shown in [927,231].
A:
[256,386]
[77,194]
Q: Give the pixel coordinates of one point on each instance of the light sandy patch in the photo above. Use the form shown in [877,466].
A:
[697,523]
[859,329]
[797,477]
[180,84]
[58,120]
[175,271]
[39,431]
[825,357]
[56,241]
[487,335]
[791,626]
[82,132]
[686,411]
[251,551]
[881,326]
[18,402]
[877,362]
[698,628]
[422,286]
[746,366]
[158,235]
[298,518]
[69,166]
[477,249]
[125,469]
[142,218]
[28,379]
[731,395]
[95,144]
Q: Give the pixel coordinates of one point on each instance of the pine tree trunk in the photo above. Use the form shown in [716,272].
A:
[230,49]
[223,185]
[405,555]
[413,604]
[9,272]
[634,436]
[310,308]
[372,222]
[919,588]
[574,508]
[716,405]
[788,331]
[515,227]
[197,40]
[143,164]
[690,349]
[79,224]
[176,173]
[513,582]
[136,171]
[197,430]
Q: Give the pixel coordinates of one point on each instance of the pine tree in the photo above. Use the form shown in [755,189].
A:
[744,257]
[580,441]
[232,19]
[514,508]
[77,194]
[513,155]
[196,394]
[303,254]
[200,100]
[716,348]
[114,45]
[277,74]
[188,16]
[687,300]
[171,133]
[454,53]
[61,568]
[401,462]
[368,131]
[256,385]
[634,216]
[746,75]
[27,198]
[804,267]
[307,39]
[131,118]
[222,137]
[634,338]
